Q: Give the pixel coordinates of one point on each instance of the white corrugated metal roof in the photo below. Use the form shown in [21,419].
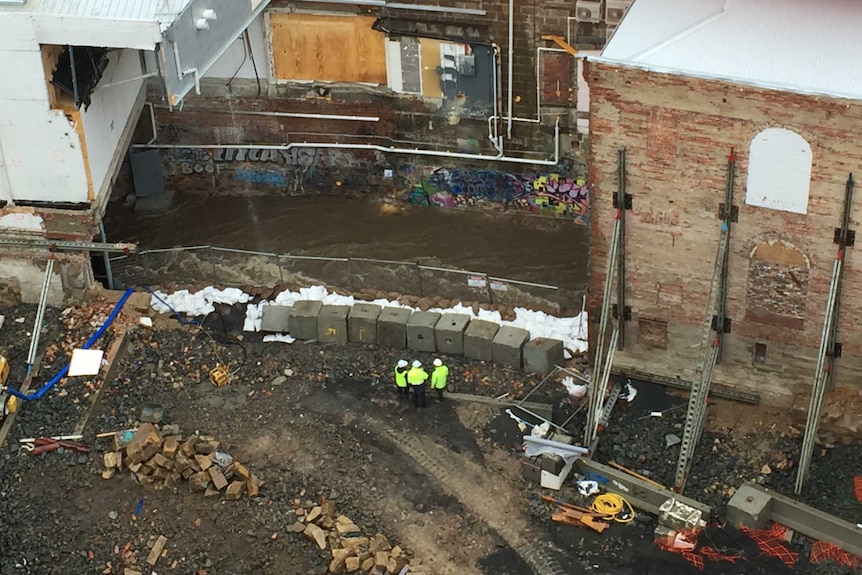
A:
[139,10]
[796,45]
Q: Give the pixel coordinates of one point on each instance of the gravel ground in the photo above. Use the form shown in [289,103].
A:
[315,421]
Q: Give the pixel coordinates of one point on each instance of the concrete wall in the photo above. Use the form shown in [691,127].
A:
[237,61]
[678,133]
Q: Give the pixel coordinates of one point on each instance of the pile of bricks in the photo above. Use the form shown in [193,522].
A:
[164,459]
[352,551]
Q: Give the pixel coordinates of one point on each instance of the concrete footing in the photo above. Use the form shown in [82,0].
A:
[392,327]
[332,323]
[449,333]
[420,331]
[275,318]
[542,355]
[362,323]
[303,319]
[479,339]
[509,346]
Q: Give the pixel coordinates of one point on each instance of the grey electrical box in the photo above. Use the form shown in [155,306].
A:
[467,64]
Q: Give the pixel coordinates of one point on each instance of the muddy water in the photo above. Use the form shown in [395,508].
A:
[525,248]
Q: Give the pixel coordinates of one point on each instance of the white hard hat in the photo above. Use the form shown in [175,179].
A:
[438,362]
[402,363]
[417,363]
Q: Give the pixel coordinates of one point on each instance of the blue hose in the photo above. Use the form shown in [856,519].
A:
[93,339]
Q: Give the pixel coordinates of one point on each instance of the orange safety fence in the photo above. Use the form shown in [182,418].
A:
[857,487]
[823,551]
[771,542]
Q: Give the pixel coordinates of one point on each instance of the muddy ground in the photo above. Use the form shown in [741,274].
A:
[316,421]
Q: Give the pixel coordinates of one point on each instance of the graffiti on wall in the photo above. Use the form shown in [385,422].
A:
[553,194]
[293,170]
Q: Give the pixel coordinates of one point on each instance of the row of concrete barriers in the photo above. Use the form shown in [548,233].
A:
[402,328]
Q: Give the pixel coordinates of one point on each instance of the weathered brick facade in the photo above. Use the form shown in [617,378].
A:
[678,132]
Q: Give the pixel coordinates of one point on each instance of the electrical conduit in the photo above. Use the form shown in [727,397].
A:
[93,339]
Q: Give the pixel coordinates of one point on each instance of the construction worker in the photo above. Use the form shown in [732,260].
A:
[417,377]
[401,377]
[438,377]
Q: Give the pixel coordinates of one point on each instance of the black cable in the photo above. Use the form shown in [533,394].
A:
[241,64]
[253,63]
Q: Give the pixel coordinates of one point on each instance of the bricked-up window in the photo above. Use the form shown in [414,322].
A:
[652,333]
[779,171]
[759,353]
[778,275]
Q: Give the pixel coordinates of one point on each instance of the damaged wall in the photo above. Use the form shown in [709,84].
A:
[678,133]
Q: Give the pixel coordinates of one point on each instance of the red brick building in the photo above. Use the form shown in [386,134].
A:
[682,84]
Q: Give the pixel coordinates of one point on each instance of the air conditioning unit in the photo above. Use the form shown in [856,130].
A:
[588,11]
[609,31]
[615,10]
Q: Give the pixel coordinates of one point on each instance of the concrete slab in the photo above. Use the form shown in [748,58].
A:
[392,327]
[542,355]
[362,322]
[303,319]
[332,323]
[449,333]
[275,319]
[508,346]
[154,204]
[750,507]
[420,331]
[479,339]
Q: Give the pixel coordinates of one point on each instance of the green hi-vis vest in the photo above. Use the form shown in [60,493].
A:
[438,377]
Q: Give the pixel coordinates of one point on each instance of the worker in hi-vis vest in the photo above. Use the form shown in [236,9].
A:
[401,377]
[438,377]
[416,378]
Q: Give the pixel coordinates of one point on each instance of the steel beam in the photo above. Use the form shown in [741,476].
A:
[675,382]
[809,521]
[68,246]
[642,494]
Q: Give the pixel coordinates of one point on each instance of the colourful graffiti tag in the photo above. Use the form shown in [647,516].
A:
[551,194]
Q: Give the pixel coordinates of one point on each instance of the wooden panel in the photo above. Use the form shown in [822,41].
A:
[430,53]
[327,48]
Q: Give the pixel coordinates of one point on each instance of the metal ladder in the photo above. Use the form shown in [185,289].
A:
[829,348]
[714,327]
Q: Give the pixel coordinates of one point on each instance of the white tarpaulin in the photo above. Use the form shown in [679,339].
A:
[538,446]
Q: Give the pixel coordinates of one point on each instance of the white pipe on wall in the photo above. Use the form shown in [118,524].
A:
[371,147]
[511,65]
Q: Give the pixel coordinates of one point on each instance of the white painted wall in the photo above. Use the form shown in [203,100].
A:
[110,111]
[779,171]
[232,59]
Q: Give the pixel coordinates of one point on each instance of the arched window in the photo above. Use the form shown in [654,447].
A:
[779,171]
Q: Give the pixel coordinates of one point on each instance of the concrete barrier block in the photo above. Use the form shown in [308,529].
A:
[541,355]
[749,507]
[508,346]
[362,322]
[420,331]
[275,319]
[392,327]
[449,333]
[332,323]
[303,319]
[479,339]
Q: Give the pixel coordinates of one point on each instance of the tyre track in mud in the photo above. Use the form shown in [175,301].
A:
[472,486]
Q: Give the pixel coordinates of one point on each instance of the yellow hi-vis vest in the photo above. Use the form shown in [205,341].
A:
[438,377]
[416,376]
[401,377]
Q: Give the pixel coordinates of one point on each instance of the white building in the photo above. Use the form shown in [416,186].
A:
[73,75]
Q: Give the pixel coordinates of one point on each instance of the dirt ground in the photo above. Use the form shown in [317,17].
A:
[316,421]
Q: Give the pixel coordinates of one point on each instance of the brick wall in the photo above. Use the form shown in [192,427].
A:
[678,133]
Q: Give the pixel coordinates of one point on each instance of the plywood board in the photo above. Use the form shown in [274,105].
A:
[430,53]
[327,48]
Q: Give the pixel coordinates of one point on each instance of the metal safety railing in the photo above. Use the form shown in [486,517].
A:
[192,265]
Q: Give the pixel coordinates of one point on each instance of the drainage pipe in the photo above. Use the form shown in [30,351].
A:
[95,337]
[40,315]
[372,147]
[308,116]
[511,67]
